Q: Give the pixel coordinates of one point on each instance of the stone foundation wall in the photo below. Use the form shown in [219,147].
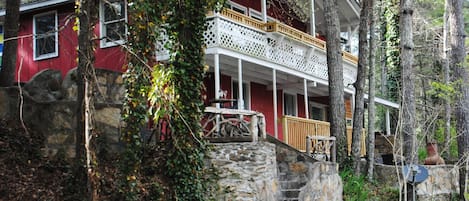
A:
[247,171]
[442,183]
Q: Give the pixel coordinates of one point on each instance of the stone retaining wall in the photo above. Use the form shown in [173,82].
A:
[442,183]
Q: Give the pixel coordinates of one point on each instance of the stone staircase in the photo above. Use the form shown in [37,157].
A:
[290,184]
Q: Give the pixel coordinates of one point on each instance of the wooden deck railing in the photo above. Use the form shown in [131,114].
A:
[295,131]
[281,28]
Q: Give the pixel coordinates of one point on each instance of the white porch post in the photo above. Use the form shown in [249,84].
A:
[388,122]
[305,91]
[274,84]
[312,20]
[264,10]
[349,38]
[217,77]
[240,85]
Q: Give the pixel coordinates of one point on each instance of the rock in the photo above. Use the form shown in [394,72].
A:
[45,86]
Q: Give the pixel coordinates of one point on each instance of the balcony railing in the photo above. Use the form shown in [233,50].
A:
[272,41]
[233,125]
[296,130]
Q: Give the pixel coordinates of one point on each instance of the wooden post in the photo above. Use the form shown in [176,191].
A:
[308,145]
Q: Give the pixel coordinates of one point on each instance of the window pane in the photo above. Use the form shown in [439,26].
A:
[115,31]
[45,45]
[114,10]
[289,105]
[317,113]
[45,24]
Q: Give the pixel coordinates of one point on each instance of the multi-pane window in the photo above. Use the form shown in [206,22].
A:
[237,7]
[289,104]
[112,17]
[245,95]
[45,35]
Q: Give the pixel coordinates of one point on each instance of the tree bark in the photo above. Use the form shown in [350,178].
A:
[336,78]
[408,79]
[359,84]
[87,17]
[446,72]
[461,77]
[371,95]
[10,45]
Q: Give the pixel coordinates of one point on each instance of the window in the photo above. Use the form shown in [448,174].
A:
[112,17]
[255,14]
[317,111]
[238,8]
[45,43]
[245,94]
[289,104]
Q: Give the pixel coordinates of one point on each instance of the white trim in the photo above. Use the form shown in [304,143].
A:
[52,54]
[238,6]
[384,102]
[248,91]
[102,31]
[32,6]
[255,14]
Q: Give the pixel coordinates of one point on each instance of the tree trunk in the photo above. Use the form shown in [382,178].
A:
[371,95]
[336,78]
[359,84]
[86,16]
[407,78]
[10,46]
[446,72]
[461,76]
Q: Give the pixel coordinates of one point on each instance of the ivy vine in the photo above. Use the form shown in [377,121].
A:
[167,92]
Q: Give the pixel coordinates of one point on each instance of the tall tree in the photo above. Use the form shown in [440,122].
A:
[359,84]
[407,78]
[11,26]
[87,16]
[446,73]
[371,93]
[461,77]
[336,78]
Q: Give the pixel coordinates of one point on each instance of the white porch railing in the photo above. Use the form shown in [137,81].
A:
[272,42]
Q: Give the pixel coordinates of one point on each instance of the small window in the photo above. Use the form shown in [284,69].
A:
[245,94]
[289,104]
[238,8]
[112,20]
[317,111]
[255,14]
[45,35]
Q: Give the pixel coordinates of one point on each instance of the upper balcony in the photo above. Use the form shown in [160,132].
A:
[272,42]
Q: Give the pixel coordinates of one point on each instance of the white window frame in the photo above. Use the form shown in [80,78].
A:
[320,106]
[55,33]
[102,30]
[255,14]
[248,92]
[295,102]
[238,6]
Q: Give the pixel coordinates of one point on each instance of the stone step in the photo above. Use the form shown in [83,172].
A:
[291,184]
[290,193]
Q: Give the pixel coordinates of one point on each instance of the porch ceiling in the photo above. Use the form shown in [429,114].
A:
[263,75]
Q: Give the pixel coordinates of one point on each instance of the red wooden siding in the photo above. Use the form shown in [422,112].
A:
[300,99]
[109,58]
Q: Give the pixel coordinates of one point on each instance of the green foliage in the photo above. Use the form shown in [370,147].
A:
[440,138]
[169,92]
[442,91]
[390,30]
[356,188]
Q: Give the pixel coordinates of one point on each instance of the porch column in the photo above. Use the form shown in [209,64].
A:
[388,122]
[305,91]
[217,77]
[240,85]
[312,20]
[349,38]
[274,88]
[264,10]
